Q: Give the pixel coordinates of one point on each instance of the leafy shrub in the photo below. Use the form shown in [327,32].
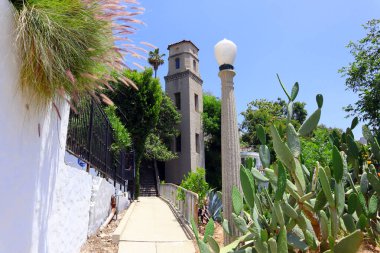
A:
[156,149]
[195,182]
[120,133]
[317,147]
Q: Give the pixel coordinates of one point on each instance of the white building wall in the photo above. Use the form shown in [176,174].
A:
[31,146]
[123,202]
[69,220]
[81,204]
[45,203]
[102,192]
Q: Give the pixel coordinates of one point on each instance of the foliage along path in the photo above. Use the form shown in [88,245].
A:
[153,228]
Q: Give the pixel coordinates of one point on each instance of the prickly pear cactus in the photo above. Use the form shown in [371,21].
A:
[302,209]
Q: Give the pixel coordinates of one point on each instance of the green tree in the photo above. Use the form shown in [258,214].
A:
[264,112]
[212,130]
[363,76]
[120,133]
[142,108]
[317,147]
[299,112]
[166,129]
[169,118]
[155,60]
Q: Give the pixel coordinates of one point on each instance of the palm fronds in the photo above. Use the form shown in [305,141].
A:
[155,59]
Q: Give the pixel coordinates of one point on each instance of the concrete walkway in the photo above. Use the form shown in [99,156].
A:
[153,228]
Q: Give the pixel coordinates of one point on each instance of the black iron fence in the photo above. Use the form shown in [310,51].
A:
[90,138]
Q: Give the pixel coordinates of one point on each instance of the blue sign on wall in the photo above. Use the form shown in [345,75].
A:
[81,163]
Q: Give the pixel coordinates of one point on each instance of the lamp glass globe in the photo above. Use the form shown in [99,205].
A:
[225,52]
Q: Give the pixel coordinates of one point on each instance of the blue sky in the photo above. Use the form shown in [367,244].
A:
[303,41]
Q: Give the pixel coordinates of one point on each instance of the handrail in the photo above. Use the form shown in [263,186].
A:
[187,208]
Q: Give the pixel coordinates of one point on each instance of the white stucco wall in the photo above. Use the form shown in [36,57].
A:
[100,205]
[123,203]
[45,203]
[73,162]
[68,223]
[31,146]
[81,204]
[118,187]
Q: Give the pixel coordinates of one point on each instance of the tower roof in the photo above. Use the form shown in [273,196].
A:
[183,41]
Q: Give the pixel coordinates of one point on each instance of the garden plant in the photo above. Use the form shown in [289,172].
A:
[67,47]
[142,109]
[320,209]
[195,182]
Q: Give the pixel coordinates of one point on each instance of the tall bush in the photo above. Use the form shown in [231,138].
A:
[211,118]
[195,182]
[120,133]
[316,147]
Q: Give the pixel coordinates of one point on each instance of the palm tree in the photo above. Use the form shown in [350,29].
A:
[155,59]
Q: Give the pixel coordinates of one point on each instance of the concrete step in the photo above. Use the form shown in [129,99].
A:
[148,191]
[148,195]
[147,183]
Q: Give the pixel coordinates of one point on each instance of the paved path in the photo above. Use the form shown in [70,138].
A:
[153,228]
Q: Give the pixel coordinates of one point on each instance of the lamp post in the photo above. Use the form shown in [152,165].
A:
[225,53]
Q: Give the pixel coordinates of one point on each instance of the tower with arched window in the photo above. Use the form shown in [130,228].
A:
[183,84]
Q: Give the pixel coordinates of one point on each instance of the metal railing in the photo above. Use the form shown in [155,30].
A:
[187,208]
[90,138]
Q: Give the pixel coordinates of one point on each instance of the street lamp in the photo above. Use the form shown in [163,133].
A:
[225,54]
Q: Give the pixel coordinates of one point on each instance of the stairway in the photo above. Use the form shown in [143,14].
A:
[148,185]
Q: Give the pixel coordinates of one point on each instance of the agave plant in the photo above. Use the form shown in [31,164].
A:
[214,205]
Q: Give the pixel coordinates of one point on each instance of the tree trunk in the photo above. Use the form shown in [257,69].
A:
[137,178]
[157,175]
[139,155]
[155,72]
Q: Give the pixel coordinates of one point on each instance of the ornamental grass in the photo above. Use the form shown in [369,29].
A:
[69,48]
